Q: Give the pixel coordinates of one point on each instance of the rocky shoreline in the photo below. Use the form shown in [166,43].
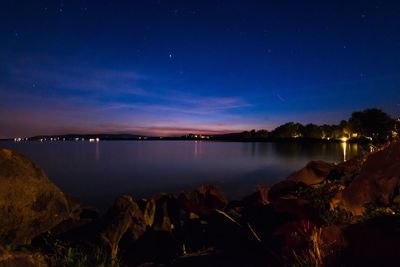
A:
[325,214]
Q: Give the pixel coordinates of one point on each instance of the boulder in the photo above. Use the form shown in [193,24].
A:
[30,204]
[204,200]
[259,197]
[314,172]
[123,217]
[166,213]
[378,181]
[285,188]
[148,207]
[80,217]
[346,171]
[25,259]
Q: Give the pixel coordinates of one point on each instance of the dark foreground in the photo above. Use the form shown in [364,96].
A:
[323,215]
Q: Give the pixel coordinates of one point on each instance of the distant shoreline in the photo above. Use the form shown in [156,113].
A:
[87,138]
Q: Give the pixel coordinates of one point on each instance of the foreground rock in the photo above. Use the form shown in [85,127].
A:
[124,217]
[258,198]
[377,183]
[301,221]
[25,259]
[204,200]
[29,203]
[313,173]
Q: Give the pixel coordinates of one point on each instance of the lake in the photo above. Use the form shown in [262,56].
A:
[98,172]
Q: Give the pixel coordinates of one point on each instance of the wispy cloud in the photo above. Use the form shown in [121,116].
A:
[53,101]
[95,80]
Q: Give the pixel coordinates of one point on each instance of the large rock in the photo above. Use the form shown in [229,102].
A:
[314,172]
[23,259]
[259,197]
[166,215]
[204,200]
[29,203]
[346,171]
[148,207]
[378,181]
[123,217]
[285,188]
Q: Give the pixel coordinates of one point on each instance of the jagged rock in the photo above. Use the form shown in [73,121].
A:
[285,188]
[79,218]
[123,217]
[30,204]
[204,200]
[148,207]
[260,197]
[378,181]
[314,172]
[166,214]
[22,259]
[347,170]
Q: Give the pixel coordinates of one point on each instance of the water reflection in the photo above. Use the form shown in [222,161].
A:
[97,174]
[97,151]
[344,147]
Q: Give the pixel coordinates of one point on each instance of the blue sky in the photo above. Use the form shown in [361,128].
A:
[174,67]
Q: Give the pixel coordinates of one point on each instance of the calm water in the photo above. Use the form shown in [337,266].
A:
[96,173]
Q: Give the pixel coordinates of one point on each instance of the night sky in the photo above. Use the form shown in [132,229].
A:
[175,67]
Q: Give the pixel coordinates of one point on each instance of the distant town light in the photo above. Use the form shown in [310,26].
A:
[344,139]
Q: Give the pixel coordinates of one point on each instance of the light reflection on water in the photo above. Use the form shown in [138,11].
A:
[100,171]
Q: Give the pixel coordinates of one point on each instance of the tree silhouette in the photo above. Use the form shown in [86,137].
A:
[372,123]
